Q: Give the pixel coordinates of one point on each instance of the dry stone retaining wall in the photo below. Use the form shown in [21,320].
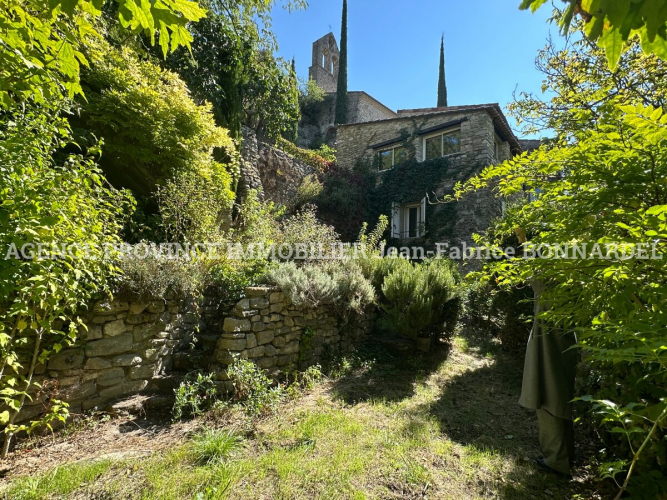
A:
[131,347]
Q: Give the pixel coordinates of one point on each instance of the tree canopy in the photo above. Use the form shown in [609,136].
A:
[613,22]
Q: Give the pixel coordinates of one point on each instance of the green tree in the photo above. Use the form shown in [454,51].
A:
[151,128]
[442,86]
[583,89]
[292,132]
[603,191]
[612,22]
[341,88]
[42,46]
[231,65]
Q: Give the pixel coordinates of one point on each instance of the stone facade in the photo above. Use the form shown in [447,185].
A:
[274,173]
[478,135]
[485,139]
[131,347]
[324,68]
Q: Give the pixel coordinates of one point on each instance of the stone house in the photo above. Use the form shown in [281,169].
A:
[465,138]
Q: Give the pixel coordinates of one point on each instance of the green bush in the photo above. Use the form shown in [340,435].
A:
[194,395]
[159,276]
[423,299]
[232,277]
[253,389]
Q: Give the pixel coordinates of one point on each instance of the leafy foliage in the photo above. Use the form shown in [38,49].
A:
[583,89]
[253,388]
[194,395]
[238,73]
[312,158]
[52,204]
[42,49]
[612,22]
[606,188]
[152,129]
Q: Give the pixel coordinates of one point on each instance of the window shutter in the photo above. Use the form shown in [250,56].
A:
[422,217]
[395,220]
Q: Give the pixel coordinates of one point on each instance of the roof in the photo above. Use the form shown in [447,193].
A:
[493,109]
[530,144]
[361,92]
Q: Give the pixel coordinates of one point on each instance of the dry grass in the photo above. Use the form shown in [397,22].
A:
[443,426]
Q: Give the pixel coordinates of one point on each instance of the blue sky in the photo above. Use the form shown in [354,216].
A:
[490,47]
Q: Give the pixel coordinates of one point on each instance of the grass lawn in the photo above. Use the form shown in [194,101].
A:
[445,425]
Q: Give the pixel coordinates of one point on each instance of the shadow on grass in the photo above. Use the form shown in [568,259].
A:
[384,372]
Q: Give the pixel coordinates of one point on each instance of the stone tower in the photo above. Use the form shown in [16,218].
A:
[325,63]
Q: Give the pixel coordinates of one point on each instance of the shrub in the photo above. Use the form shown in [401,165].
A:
[233,276]
[212,446]
[340,283]
[305,155]
[304,228]
[160,276]
[308,191]
[253,388]
[194,395]
[423,299]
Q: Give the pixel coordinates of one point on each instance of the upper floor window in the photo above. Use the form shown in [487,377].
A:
[393,155]
[442,144]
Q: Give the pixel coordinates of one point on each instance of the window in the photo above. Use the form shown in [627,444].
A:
[391,156]
[442,144]
[407,220]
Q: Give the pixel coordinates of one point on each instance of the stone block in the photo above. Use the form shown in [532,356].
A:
[259,326]
[251,341]
[97,364]
[79,391]
[109,346]
[232,344]
[243,305]
[126,360]
[258,291]
[288,321]
[246,314]
[269,350]
[276,297]
[236,325]
[137,319]
[92,332]
[137,308]
[115,328]
[264,337]
[275,318]
[156,306]
[266,362]
[259,303]
[66,360]
[143,332]
[68,381]
[228,357]
[279,341]
[143,371]
[256,352]
[276,308]
[290,348]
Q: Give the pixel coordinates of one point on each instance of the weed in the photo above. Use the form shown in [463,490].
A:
[253,388]
[212,446]
[195,395]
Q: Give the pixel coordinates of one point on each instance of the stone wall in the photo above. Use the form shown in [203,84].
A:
[274,173]
[131,347]
[276,335]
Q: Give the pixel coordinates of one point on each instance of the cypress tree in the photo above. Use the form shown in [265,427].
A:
[442,86]
[341,88]
[292,132]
